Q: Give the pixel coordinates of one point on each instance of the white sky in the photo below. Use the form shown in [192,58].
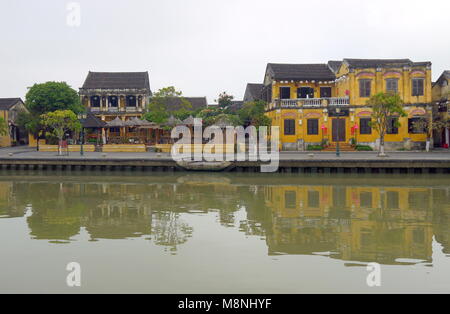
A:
[204,47]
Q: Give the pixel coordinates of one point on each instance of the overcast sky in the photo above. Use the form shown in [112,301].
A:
[204,47]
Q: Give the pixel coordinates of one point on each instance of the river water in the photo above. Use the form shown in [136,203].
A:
[218,233]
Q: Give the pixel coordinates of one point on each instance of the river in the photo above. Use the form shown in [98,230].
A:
[218,233]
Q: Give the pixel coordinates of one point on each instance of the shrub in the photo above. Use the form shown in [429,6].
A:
[315,147]
[364,148]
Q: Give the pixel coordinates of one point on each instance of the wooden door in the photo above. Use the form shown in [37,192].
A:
[339,133]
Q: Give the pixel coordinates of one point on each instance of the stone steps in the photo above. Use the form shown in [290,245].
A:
[342,147]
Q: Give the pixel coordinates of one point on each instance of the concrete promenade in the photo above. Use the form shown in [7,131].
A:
[361,162]
[25,153]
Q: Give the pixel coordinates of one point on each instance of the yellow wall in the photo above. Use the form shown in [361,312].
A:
[5,141]
[304,224]
[348,80]
[347,85]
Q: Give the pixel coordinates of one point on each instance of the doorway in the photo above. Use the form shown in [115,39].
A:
[339,132]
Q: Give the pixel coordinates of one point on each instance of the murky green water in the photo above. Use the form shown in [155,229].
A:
[195,233]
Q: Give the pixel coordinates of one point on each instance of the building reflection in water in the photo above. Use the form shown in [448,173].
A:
[349,221]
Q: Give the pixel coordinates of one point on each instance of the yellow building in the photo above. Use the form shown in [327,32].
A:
[441,98]
[322,104]
[356,223]
[9,111]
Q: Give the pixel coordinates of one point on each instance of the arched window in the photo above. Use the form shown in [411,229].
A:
[131,101]
[95,101]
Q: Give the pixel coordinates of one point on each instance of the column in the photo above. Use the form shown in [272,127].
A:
[106,103]
[447,136]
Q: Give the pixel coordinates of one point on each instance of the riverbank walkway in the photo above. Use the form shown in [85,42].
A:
[25,153]
[26,158]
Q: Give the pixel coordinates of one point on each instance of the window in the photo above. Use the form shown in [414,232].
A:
[114,130]
[113,101]
[313,199]
[95,101]
[392,126]
[131,101]
[285,93]
[417,87]
[313,126]
[365,88]
[305,92]
[289,127]
[290,199]
[325,92]
[392,200]
[418,200]
[365,127]
[419,236]
[366,199]
[417,126]
[392,86]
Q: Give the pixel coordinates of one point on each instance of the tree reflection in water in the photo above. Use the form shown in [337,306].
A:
[375,219]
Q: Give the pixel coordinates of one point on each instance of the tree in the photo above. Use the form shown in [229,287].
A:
[31,123]
[225,100]
[385,106]
[3,127]
[158,116]
[52,96]
[427,125]
[59,123]
[209,115]
[254,113]
[157,108]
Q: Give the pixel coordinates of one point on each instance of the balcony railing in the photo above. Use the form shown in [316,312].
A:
[312,102]
[115,109]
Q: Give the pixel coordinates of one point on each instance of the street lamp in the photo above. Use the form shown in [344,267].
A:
[338,113]
[82,117]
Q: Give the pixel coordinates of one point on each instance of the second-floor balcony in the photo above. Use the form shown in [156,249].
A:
[312,102]
[115,109]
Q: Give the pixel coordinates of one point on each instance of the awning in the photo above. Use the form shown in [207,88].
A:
[92,122]
[116,123]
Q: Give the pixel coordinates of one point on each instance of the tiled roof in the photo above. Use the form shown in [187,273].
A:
[444,76]
[93,122]
[334,65]
[379,63]
[117,80]
[174,104]
[7,103]
[319,72]
[253,91]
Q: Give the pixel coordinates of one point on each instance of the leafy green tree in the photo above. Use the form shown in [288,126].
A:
[158,116]
[3,127]
[209,115]
[385,106]
[52,96]
[225,100]
[157,108]
[32,124]
[253,113]
[59,123]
